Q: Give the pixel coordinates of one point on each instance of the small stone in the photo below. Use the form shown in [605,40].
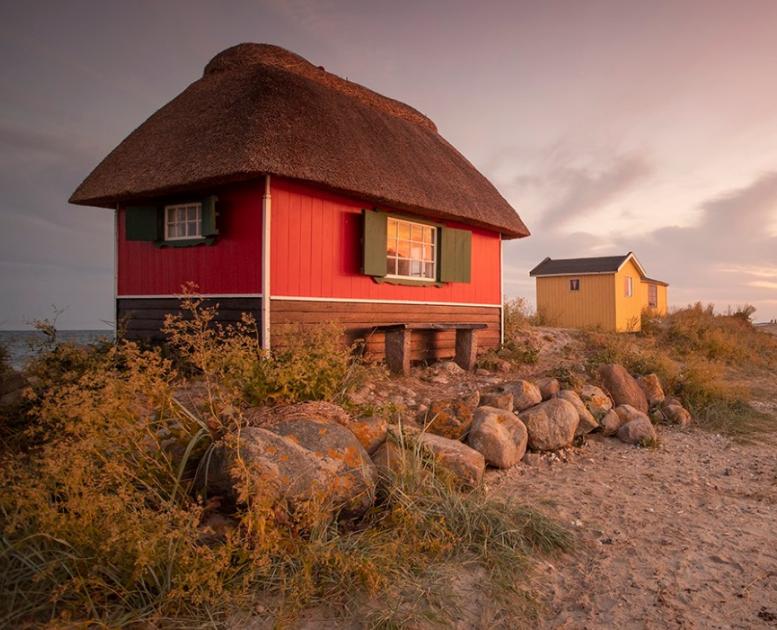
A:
[450,418]
[463,462]
[551,424]
[610,423]
[587,421]
[499,436]
[638,431]
[498,399]
[651,385]
[525,394]
[549,387]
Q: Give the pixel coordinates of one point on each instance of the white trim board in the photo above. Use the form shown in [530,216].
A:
[180,296]
[292,298]
[298,298]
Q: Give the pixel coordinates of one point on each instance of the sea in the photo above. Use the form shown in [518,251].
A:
[22,345]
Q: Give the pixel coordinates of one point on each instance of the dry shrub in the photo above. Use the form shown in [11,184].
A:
[308,363]
[695,352]
[100,524]
[517,317]
[730,337]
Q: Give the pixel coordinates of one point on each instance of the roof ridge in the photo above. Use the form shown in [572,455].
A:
[246,55]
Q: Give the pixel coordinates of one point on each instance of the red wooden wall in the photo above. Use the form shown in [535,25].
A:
[231,266]
[316,252]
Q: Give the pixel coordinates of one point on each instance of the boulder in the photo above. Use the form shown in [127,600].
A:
[465,464]
[627,413]
[610,423]
[525,394]
[274,469]
[329,440]
[652,388]
[549,387]
[623,388]
[597,402]
[499,436]
[676,414]
[371,432]
[587,421]
[638,431]
[551,424]
[450,418]
[498,398]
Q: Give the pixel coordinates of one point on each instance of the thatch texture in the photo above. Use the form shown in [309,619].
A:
[261,109]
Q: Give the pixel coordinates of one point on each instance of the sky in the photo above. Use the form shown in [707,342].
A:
[611,126]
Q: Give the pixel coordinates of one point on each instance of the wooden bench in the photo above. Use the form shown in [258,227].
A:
[398,348]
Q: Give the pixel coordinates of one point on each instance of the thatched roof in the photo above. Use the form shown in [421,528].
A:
[262,109]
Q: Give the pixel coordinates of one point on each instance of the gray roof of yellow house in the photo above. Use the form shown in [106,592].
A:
[584,266]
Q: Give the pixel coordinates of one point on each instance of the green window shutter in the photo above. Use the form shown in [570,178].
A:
[209,226]
[142,223]
[455,255]
[374,243]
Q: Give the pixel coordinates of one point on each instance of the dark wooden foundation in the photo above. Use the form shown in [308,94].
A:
[360,319]
[141,319]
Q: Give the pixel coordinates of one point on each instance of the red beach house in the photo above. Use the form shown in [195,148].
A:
[284,190]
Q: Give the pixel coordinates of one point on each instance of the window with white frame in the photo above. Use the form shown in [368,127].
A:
[574,284]
[183,221]
[629,286]
[411,250]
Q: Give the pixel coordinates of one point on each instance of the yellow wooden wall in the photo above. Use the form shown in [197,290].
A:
[628,310]
[593,306]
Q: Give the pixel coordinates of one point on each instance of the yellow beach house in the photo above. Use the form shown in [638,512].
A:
[606,292]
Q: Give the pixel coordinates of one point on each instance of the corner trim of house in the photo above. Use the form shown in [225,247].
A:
[501,291]
[266,262]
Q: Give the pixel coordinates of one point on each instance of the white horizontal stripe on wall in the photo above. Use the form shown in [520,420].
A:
[296,298]
[179,296]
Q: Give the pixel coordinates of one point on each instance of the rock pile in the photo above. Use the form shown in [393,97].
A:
[318,454]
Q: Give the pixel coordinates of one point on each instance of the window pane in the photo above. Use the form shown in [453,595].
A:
[428,252]
[429,270]
[403,231]
[391,228]
[403,267]
[192,213]
[391,265]
[416,251]
[403,249]
[416,232]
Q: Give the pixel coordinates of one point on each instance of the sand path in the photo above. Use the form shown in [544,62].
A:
[683,536]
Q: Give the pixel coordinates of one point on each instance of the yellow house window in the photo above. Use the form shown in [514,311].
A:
[629,286]
[574,284]
[652,296]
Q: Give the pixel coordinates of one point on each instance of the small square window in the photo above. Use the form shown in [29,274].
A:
[183,221]
[574,284]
